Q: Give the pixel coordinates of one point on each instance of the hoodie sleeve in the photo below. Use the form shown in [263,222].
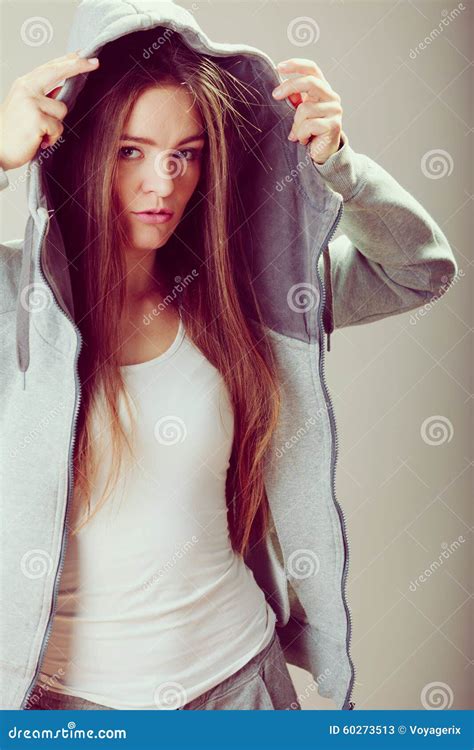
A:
[393,256]
[3,179]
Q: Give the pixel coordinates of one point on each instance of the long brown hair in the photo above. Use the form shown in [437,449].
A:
[232,338]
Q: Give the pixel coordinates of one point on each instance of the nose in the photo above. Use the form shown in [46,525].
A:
[161,173]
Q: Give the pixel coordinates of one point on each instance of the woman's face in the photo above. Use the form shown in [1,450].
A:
[159,163]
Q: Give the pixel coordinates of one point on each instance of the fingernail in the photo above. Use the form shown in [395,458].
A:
[276,92]
[93,60]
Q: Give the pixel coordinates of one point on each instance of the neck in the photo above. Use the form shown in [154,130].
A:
[142,281]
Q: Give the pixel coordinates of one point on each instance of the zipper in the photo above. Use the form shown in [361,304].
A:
[334,455]
[69,477]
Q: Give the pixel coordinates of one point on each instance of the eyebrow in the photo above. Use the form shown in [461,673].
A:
[150,142]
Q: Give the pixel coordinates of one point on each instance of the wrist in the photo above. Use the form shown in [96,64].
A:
[341,144]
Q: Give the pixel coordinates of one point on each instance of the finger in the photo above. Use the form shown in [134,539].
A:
[303,66]
[46,77]
[53,108]
[311,85]
[62,58]
[313,128]
[51,130]
[310,110]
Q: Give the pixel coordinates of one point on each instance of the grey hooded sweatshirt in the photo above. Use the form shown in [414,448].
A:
[390,257]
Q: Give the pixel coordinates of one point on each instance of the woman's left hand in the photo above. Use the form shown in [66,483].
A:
[318,117]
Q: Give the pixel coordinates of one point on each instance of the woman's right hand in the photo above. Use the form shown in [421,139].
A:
[29,117]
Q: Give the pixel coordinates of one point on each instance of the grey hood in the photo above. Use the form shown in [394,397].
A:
[263,171]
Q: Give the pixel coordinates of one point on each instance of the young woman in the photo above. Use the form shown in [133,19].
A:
[168,594]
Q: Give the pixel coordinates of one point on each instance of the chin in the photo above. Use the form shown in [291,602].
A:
[148,237]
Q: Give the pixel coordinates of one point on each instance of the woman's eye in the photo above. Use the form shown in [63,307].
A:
[189,154]
[181,153]
[127,148]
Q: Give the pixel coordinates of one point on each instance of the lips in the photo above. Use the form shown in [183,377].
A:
[153,217]
[153,211]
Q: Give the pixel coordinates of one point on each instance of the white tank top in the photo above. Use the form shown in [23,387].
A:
[154,607]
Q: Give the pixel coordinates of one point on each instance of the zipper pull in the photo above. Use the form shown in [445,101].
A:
[328,337]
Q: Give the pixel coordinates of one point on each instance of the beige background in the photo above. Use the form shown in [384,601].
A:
[402,386]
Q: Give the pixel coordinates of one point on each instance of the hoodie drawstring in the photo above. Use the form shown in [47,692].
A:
[22,308]
[328,316]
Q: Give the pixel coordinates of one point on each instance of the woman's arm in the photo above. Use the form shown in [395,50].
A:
[392,257]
